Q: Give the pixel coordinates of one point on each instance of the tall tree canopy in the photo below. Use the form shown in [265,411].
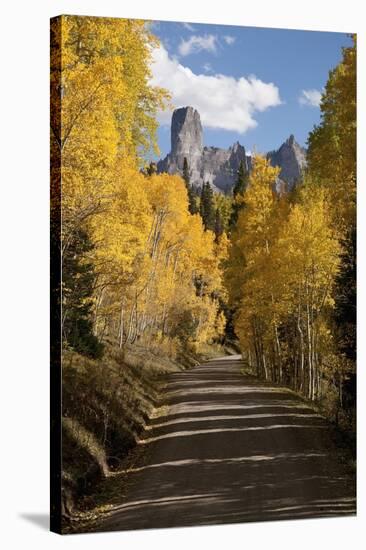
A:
[207,207]
[282,271]
[128,238]
[332,162]
[239,190]
[192,195]
[332,144]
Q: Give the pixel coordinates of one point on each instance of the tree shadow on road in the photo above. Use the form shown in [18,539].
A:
[232,450]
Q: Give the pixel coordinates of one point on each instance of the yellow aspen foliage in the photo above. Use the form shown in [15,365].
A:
[158,270]
[284,262]
[255,227]
[332,144]
[108,107]
[155,272]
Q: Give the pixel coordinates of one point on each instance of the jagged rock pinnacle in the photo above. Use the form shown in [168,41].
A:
[186,132]
[217,166]
[220,166]
[291,158]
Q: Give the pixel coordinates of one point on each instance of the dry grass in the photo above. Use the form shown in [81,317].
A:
[106,404]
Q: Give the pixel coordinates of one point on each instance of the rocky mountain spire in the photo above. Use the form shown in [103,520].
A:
[291,158]
[219,166]
[186,134]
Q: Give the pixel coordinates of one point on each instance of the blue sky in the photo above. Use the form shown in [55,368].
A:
[264,84]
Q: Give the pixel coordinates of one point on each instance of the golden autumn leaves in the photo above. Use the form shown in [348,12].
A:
[151,254]
[156,272]
[291,271]
[282,270]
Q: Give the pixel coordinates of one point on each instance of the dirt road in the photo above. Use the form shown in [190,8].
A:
[233,449]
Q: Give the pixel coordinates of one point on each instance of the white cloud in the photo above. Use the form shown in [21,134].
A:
[207,67]
[188,26]
[198,43]
[229,39]
[223,102]
[310,97]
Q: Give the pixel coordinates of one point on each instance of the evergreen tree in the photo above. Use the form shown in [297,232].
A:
[202,202]
[207,208]
[241,183]
[192,195]
[332,162]
[345,303]
[77,293]
[186,176]
[151,169]
[218,225]
[239,190]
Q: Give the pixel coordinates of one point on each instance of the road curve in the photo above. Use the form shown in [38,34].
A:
[233,449]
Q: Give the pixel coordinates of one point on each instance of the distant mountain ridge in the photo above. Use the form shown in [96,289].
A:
[219,166]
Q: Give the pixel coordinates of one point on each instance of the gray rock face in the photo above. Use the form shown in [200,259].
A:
[217,166]
[291,158]
[186,133]
[220,166]
[186,141]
